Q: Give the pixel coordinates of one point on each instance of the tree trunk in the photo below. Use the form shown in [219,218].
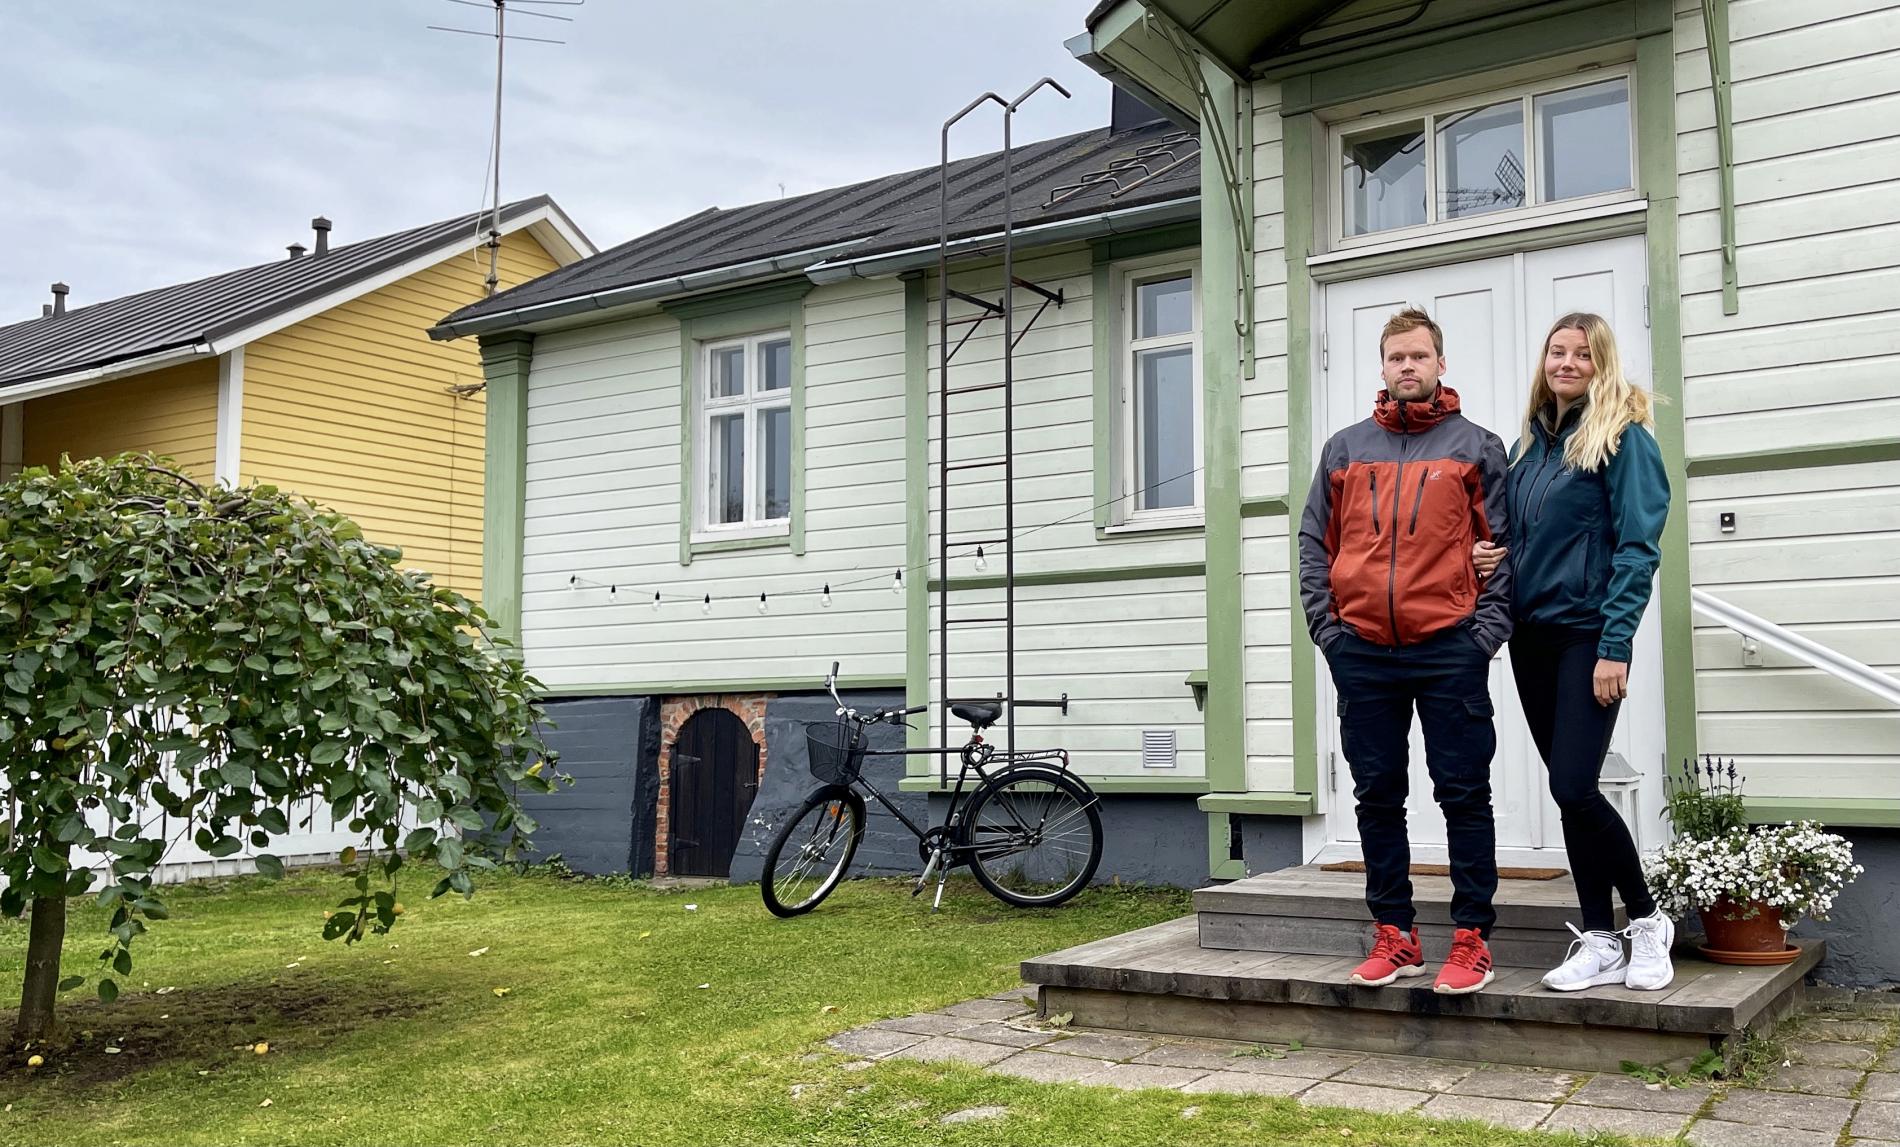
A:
[42,969]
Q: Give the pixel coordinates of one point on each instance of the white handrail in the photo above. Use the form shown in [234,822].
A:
[1829,661]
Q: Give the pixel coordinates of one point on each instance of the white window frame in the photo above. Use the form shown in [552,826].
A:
[1127,278]
[749,403]
[1536,209]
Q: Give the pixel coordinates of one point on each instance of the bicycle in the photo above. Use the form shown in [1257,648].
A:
[1030,830]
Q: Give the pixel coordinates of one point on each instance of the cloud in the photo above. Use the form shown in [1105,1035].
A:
[149,143]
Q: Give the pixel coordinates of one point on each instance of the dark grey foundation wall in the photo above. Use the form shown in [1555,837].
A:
[1146,839]
[1863,942]
[604,822]
[888,848]
[1270,843]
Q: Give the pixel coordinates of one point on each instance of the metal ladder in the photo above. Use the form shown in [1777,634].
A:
[1003,308]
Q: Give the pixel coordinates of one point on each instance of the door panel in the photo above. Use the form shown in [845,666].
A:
[1494,313]
[715,777]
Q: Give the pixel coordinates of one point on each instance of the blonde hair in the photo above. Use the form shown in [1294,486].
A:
[1613,403]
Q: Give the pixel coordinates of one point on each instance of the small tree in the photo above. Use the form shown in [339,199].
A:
[182,661]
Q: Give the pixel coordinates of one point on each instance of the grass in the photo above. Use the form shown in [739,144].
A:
[627,1018]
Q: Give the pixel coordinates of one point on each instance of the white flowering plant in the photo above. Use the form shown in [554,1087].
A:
[1797,868]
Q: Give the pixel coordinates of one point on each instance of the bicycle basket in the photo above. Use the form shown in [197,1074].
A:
[836,752]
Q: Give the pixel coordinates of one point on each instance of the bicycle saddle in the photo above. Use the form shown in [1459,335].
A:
[982,716]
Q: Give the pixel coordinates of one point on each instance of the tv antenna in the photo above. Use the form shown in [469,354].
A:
[501,36]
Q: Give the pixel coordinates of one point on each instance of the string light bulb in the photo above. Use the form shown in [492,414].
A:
[824,598]
[897,582]
[656,601]
[761,603]
[705,606]
[982,563]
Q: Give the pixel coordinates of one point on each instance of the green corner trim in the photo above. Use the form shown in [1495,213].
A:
[1299,157]
[754,685]
[1190,786]
[1656,163]
[1854,812]
[1263,507]
[1225,716]
[774,306]
[1261,804]
[917,515]
[1102,310]
[1220,863]
[1080,576]
[1797,457]
[506,360]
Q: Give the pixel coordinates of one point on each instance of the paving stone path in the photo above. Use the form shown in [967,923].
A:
[1837,1080]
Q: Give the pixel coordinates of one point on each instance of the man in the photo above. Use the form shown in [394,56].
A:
[1391,598]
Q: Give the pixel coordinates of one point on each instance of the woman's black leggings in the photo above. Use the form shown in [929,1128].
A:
[1554,666]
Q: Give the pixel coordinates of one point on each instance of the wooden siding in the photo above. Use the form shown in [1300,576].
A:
[1266,596]
[603,457]
[1121,649]
[351,408]
[172,412]
[1806,362]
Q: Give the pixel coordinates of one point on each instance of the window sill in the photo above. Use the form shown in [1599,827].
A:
[1157,525]
[741,540]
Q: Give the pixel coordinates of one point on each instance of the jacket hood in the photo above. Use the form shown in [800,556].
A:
[1414,417]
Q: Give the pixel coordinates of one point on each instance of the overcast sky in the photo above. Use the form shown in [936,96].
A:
[147,142]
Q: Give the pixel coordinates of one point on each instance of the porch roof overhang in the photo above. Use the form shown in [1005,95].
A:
[1126,42]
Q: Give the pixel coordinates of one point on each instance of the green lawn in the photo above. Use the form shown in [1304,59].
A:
[626,1018]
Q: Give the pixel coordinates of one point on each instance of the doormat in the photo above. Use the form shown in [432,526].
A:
[1445,870]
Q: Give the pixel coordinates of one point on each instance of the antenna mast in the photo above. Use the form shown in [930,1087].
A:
[493,177]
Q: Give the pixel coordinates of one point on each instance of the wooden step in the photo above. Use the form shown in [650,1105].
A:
[1307,911]
[1160,979]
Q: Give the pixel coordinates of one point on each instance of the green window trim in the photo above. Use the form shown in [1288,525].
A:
[506,361]
[729,314]
[1183,239]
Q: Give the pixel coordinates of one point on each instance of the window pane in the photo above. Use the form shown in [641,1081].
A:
[1164,428]
[775,457]
[775,365]
[728,371]
[1385,178]
[1481,160]
[1164,308]
[726,470]
[1585,140]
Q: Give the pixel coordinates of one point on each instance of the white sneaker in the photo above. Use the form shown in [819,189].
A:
[1595,959]
[1650,938]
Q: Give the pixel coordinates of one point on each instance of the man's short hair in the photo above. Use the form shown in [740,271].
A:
[1410,319]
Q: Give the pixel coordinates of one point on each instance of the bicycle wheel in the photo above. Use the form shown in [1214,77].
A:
[1034,836]
[809,855]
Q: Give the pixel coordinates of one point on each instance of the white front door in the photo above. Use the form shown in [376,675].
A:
[1495,313]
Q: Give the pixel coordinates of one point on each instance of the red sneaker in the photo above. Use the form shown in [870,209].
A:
[1394,954]
[1468,968]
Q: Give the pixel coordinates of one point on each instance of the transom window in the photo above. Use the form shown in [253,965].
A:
[745,429]
[1563,143]
[1161,393]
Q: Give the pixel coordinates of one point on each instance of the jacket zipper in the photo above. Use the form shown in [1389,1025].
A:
[1417,502]
[1392,576]
[1375,503]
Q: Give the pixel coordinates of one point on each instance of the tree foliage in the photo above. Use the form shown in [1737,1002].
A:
[182,661]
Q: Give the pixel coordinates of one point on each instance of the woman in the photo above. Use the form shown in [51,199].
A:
[1589,496]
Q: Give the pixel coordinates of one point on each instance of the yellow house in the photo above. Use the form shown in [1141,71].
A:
[315,373]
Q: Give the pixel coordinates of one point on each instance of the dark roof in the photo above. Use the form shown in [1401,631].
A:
[889,214]
[150,322]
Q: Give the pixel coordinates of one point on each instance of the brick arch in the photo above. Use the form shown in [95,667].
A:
[674,713]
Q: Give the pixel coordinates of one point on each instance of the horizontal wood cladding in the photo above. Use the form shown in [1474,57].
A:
[172,412]
[352,409]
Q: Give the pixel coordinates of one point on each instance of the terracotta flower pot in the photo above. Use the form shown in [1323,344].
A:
[1742,928]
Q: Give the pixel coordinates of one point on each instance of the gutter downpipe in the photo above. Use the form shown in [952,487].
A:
[1119,222]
